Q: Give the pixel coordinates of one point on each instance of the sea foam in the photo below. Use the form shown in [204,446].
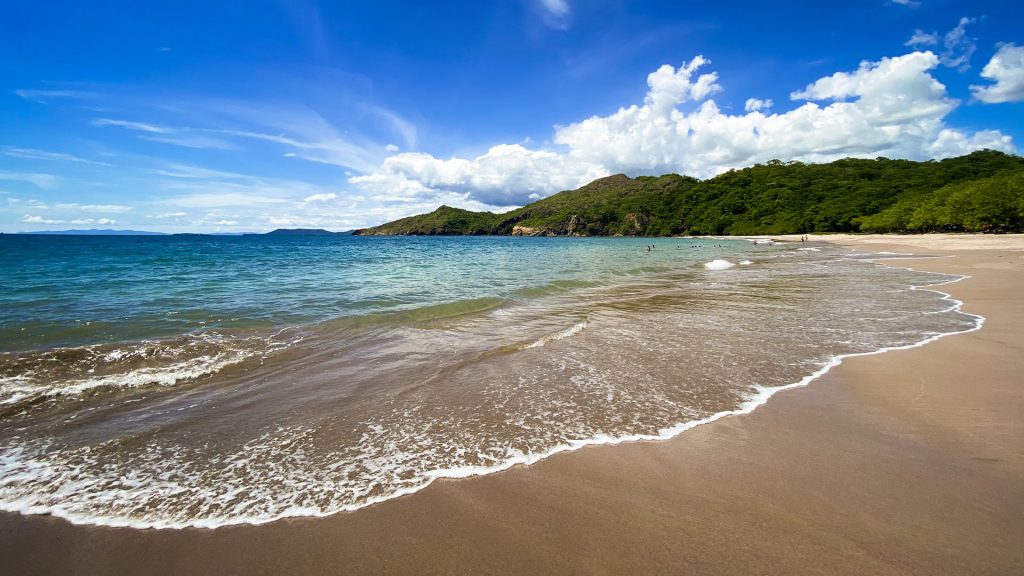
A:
[718,264]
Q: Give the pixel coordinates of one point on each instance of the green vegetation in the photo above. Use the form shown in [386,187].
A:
[983,191]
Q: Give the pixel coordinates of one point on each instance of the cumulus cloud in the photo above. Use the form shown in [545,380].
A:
[1006,69]
[30,219]
[892,107]
[504,176]
[755,104]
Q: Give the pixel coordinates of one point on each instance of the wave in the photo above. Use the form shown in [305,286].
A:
[560,335]
[18,465]
[31,377]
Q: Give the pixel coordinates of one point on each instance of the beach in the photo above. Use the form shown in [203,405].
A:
[907,462]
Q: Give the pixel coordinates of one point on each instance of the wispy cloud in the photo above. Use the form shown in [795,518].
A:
[33,154]
[43,96]
[200,187]
[132,125]
[105,208]
[198,142]
[556,14]
[38,179]
[922,38]
[959,47]
[907,3]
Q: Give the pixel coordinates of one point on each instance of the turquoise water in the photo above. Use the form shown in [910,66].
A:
[80,290]
[170,382]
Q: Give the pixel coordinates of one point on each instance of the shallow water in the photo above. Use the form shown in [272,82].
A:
[195,381]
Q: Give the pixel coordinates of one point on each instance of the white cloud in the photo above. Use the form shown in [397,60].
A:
[131,125]
[755,104]
[907,3]
[1006,69]
[504,176]
[226,223]
[335,150]
[892,107]
[116,208]
[165,215]
[555,13]
[33,154]
[324,197]
[391,148]
[42,96]
[922,38]
[959,47]
[29,219]
[106,221]
[192,141]
[35,178]
[670,86]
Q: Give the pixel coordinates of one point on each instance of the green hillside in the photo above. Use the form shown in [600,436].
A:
[983,191]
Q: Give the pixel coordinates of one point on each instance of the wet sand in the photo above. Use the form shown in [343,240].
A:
[909,462]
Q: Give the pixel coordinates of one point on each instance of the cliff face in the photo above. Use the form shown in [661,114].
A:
[774,198]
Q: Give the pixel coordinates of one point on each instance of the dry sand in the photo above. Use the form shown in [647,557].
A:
[909,462]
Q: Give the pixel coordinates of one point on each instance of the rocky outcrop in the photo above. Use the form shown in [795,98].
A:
[636,223]
[518,230]
[572,228]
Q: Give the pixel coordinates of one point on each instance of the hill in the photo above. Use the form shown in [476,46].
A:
[983,191]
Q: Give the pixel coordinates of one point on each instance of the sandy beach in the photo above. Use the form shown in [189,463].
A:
[907,462]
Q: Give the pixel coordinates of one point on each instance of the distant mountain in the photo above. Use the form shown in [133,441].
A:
[982,191]
[95,232]
[301,232]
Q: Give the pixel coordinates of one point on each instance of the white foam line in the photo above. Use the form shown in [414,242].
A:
[759,399]
[567,333]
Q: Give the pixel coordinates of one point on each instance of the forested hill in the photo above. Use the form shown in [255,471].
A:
[983,191]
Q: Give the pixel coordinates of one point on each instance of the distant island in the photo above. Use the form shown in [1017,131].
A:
[979,192]
[303,232]
[96,232]
[99,232]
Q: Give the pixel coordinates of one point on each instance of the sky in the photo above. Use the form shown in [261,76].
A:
[230,116]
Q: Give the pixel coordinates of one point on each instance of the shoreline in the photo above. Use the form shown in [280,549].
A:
[402,534]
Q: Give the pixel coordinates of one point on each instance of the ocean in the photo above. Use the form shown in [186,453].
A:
[197,381]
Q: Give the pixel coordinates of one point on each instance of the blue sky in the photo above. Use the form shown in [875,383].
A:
[248,116]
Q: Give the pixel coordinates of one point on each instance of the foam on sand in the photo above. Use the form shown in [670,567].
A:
[567,333]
